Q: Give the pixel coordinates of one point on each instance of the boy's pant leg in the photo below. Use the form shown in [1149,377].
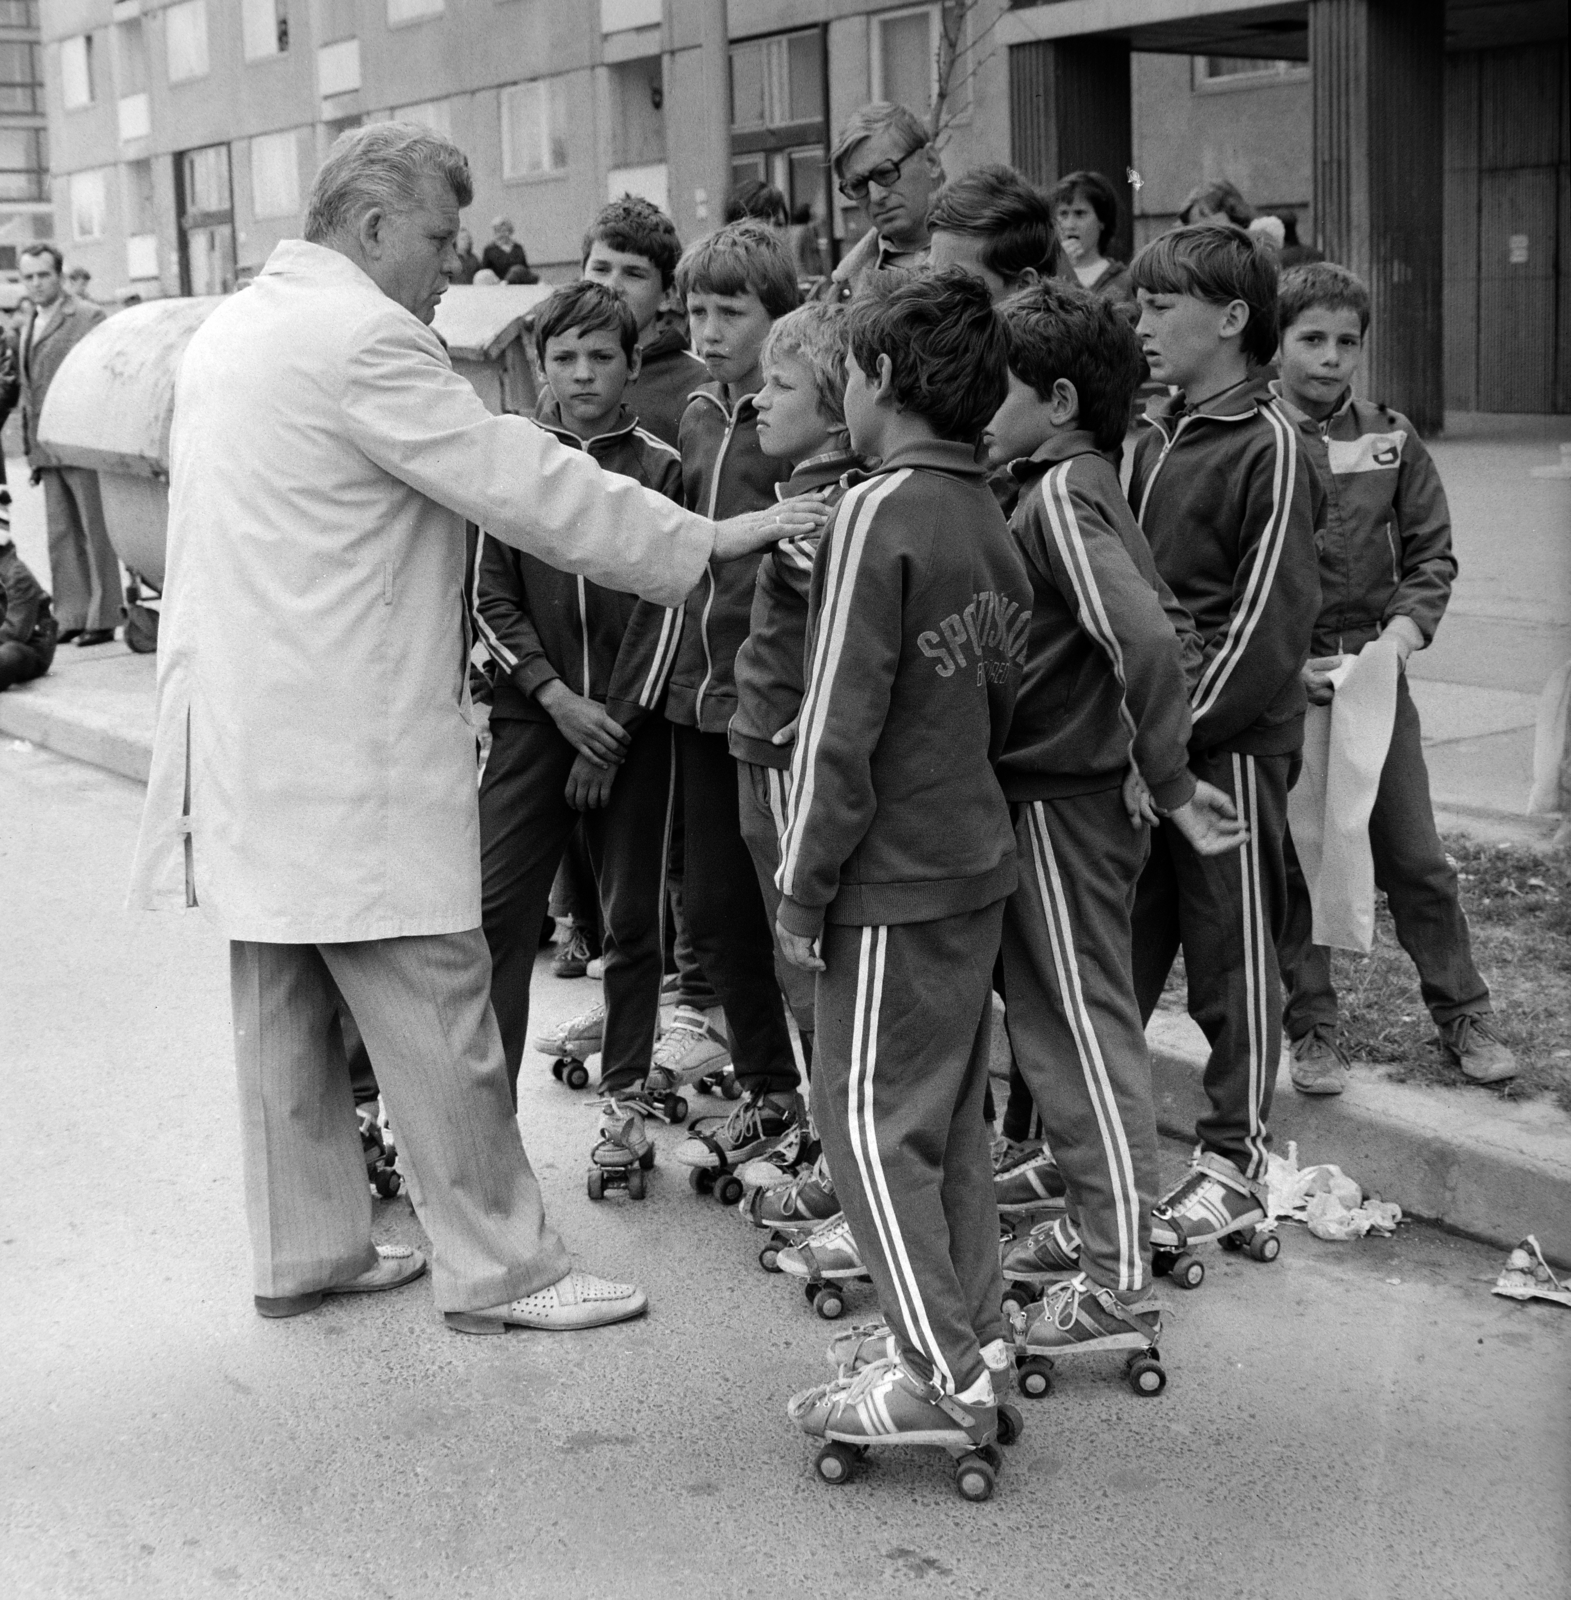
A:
[725,915]
[1154,926]
[524,823]
[899,1073]
[627,840]
[1419,883]
[1308,993]
[694,990]
[1074,1025]
[1230,911]
[763,794]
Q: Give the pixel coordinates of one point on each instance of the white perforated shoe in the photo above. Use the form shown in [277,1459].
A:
[580,1300]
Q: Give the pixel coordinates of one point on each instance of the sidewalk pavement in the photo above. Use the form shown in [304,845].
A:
[1491,1169]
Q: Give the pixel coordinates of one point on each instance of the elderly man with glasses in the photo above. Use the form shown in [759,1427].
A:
[885,162]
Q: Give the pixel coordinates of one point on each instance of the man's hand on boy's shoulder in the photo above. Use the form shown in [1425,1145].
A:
[795,518]
[800,950]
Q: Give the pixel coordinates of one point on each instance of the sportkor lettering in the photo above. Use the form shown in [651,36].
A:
[992,625]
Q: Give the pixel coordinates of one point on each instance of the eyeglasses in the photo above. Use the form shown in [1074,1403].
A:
[886,175]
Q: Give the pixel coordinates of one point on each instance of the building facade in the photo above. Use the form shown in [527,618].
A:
[1421,141]
[26,212]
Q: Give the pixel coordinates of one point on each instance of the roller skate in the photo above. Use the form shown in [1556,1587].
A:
[760,1127]
[1212,1201]
[571,1046]
[575,952]
[1078,1317]
[693,1052]
[376,1143]
[887,1404]
[791,1211]
[828,1259]
[1031,1182]
[1048,1254]
[868,1342]
[624,1152]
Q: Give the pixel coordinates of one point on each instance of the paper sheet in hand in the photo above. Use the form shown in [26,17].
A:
[1345,745]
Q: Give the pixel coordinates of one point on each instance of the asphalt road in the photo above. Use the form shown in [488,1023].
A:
[1354,1421]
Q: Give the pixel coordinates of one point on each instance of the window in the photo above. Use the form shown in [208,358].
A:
[1226,72]
[24,164]
[136,188]
[433,114]
[19,14]
[141,257]
[778,81]
[534,122]
[76,71]
[907,47]
[402,11]
[20,78]
[338,68]
[185,39]
[130,57]
[136,117]
[275,174]
[264,28]
[87,204]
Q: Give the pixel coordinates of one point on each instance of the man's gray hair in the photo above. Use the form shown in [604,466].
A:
[873,119]
[381,165]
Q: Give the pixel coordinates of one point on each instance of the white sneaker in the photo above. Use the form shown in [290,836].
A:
[580,1300]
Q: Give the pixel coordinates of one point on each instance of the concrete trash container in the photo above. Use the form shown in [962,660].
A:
[484,330]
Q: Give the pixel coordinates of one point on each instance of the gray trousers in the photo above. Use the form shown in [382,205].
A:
[84,572]
[424,1007]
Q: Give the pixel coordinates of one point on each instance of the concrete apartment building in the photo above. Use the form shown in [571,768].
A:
[1422,141]
[26,212]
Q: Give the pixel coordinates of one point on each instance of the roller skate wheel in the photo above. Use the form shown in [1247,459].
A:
[675,1108]
[1231,1242]
[635,1183]
[556,1070]
[647,1160]
[729,1087]
[702,1179]
[835,1462]
[728,1189]
[1188,1272]
[596,1184]
[1016,1298]
[1265,1247]
[829,1304]
[975,1477]
[1035,1377]
[388,1184]
[575,1075]
[769,1258]
[1162,1262]
[706,1086]
[1146,1377]
[1010,1424]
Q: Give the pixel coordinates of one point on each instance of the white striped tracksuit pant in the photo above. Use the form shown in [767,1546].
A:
[904,1023]
[1227,912]
[1074,1026]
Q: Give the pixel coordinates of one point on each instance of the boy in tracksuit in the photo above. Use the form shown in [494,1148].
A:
[576,726]
[1386,571]
[736,282]
[1230,506]
[1104,686]
[801,420]
[898,853]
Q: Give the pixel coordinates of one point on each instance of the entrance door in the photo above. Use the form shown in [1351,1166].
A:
[1517,248]
[207,220]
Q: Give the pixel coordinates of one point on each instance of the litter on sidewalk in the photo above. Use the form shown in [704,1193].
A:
[1527,1276]
[1323,1197]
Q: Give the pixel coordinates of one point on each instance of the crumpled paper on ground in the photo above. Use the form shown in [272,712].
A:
[1323,1197]
[1527,1276]
[1328,809]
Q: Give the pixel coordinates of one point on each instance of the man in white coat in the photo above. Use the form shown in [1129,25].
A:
[313,783]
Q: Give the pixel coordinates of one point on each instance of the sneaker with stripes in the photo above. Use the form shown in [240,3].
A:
[1211,1200]
[1078,1317]
[1033,1183]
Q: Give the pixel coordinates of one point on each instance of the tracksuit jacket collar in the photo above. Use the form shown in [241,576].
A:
[818,472]
[549,415]
[1060,447]
[1344,404]
[936,455]
[715,394]
[1235,404]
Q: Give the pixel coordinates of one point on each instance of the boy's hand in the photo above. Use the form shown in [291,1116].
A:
[1317,678]
[588,785]
[1210,822]
[1405,634]
[1138,802]
[791,519]
[787,735]
[592,732]
[798,950]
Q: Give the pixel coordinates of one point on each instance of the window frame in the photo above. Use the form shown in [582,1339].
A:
[275,140]
[191,8]
[1274,70]
[76,178]
[279,33]
[85,40]
[545,87]
[960,111]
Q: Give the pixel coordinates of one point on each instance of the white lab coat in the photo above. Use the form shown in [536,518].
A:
[313,773]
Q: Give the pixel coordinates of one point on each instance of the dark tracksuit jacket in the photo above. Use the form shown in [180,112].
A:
[27,623]
[898,854]
[659,394]
[1386,553]
[1104,684]
[769,680]
[539,623]
[724,473]
[1231,507]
